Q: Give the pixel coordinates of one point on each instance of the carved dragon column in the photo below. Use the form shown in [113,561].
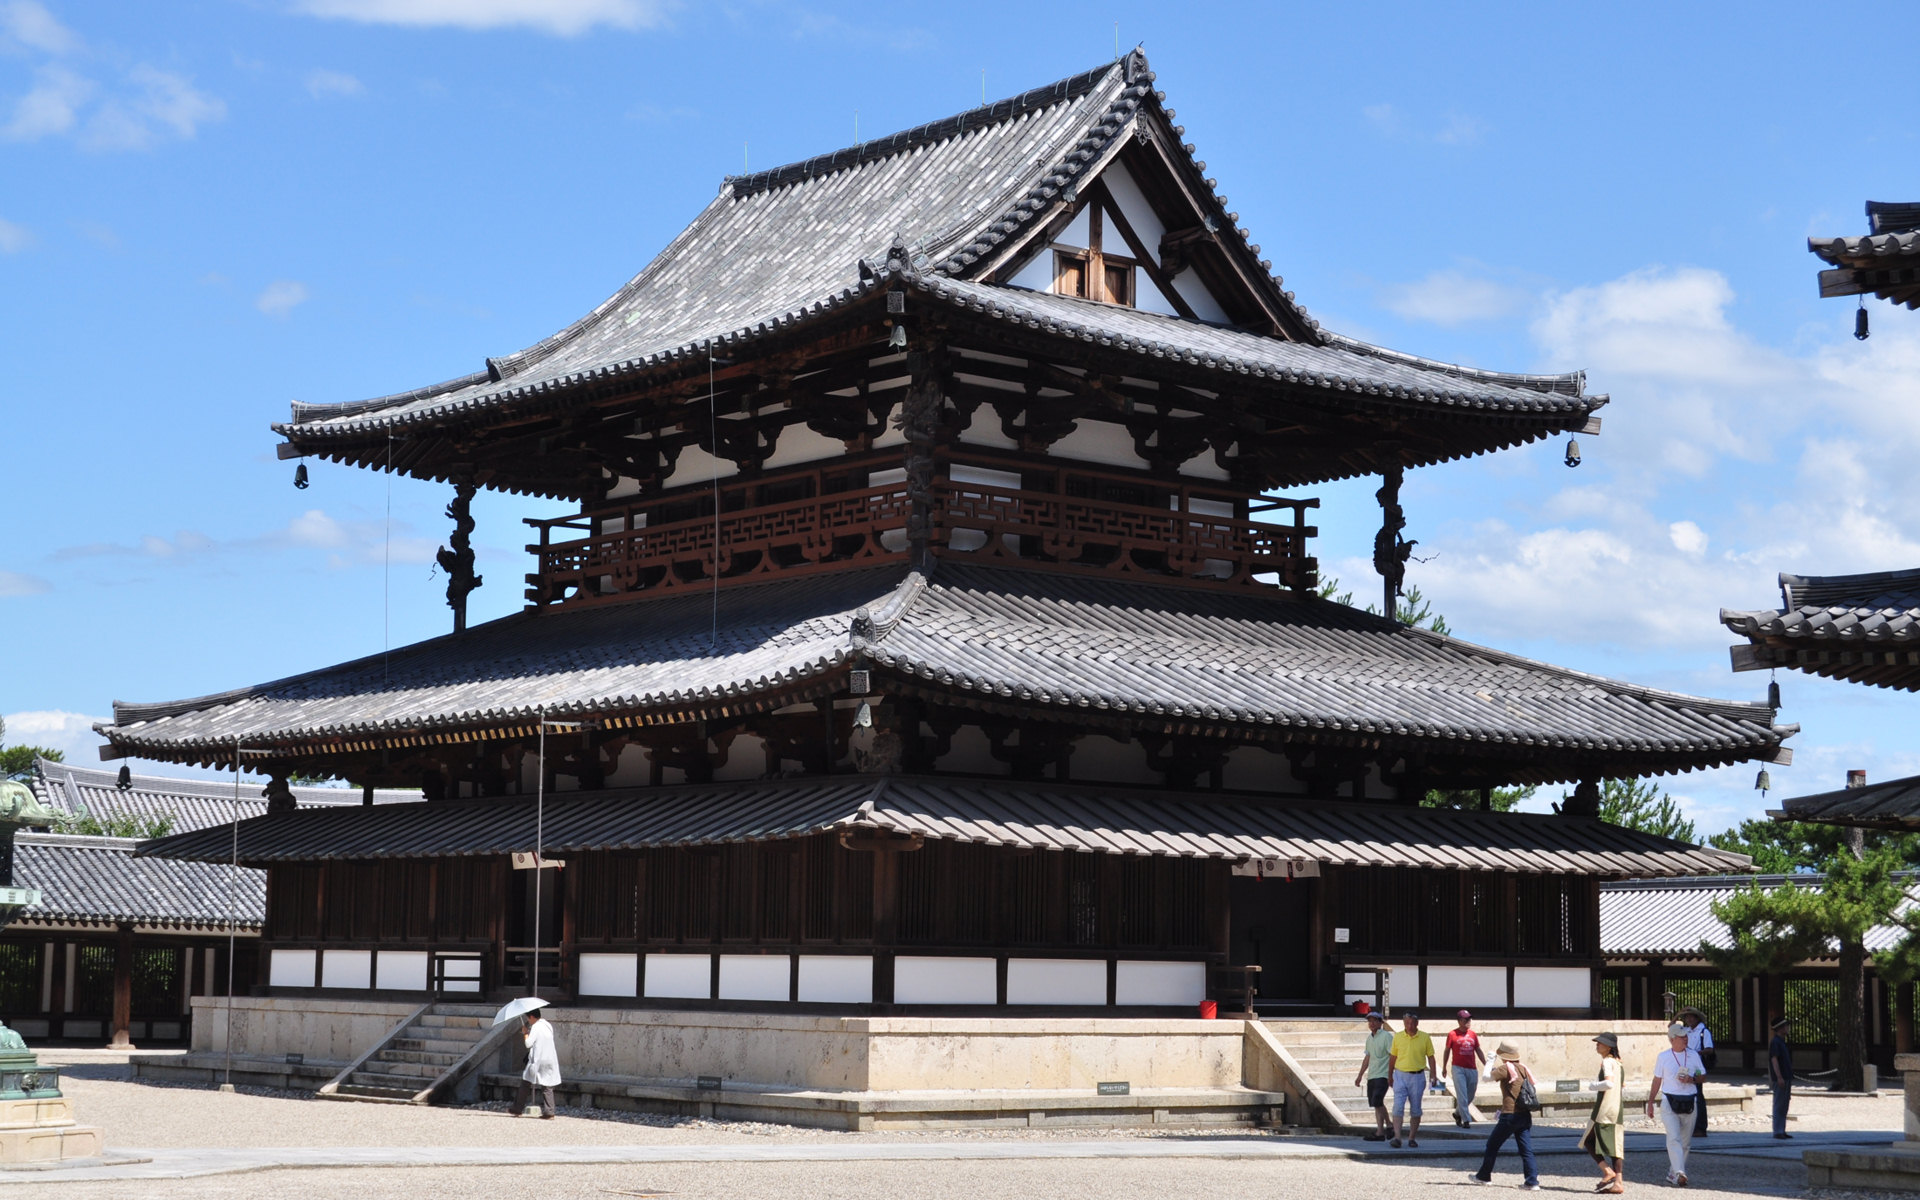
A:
[458,561]
[919,420]
[1391,549]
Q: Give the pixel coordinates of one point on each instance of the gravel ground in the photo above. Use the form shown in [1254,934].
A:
[147,1115]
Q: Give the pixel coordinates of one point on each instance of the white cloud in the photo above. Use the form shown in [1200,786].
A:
[1688,538]
[281,297]
[13,583]
[1460,130]
[344,544]
[52,106]
[1453,128]
[562,18]
[13,238]
[1453,298]
[321,84]
[70,733]
[26,23]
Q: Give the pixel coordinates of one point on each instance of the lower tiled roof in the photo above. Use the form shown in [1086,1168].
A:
[1669,918]
[1894,804]
[97,881]
[1259,660]
[986,812]
[184,803]
[1864,628]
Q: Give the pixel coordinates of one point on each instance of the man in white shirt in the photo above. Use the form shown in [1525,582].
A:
[1700,1041]
[543,1065]
[1677,1076]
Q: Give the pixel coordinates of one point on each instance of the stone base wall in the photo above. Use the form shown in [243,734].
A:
[1555,1049]
[820,1053]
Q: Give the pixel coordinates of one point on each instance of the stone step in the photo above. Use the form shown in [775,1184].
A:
[434,1020]
[440,1059]
[435,1045]
[354,1091]
[411,1070]
[381,1080]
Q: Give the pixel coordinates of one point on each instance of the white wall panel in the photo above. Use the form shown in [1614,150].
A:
[609,975]
[756,977]
[836,978]
[1552,987]
[943,981]
[679,976]
[1160,983]
[1056,981]
[288,968]
[346,969]
[401,970]
[1466,987]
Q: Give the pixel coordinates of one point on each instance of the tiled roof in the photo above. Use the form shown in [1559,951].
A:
[1669,918]
[1860,627]
[186,803]
[1892,241]
[98,881]
[803,242]
[1305,669]
[986,812]
[1894,804]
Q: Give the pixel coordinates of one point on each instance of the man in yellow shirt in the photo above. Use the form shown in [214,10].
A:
[1414,1069]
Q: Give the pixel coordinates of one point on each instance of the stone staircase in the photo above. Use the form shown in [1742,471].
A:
[435,1055]
[1330,1053]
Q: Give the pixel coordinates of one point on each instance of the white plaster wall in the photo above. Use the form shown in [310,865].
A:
[1099,442]
[610,975]
[401,970]
[697,466]
[836,978]
[944,980]
[679,976]
[983,429]
[1198,298]
[292,968]
[756,977]
[1466,987]
[971,754]
[799,444]
[1159,983]
[1101,759]
[746,759]
[1403,984]
[1037,274]
[1552,987]
[891,436]
[1056,981]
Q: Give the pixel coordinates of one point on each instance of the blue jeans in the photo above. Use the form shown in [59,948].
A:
[1518,1126]
[1782,1097]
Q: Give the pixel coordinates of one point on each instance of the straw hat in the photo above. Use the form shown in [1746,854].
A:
[1691,1012]
[1676,1030]
[1508,1051]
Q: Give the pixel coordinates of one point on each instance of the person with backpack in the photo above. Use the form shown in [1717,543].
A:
[1604,1139]
[1519,1100]
[1700,1041]
[1677,1076]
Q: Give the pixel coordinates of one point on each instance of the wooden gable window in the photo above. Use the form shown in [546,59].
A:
[1070,274]
[1093,276]
[1118,281]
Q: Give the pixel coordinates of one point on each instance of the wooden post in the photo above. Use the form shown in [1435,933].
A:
[123,990]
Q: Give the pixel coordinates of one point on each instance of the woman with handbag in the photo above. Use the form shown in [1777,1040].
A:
[1519,1100]
[1604,1139]
[1677,1076]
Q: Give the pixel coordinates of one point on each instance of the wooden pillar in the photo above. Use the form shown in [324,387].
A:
[123,989]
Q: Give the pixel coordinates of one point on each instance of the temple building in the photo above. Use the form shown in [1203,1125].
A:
[934,628]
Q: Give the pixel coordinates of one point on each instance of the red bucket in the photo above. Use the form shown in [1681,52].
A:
[1209,1010]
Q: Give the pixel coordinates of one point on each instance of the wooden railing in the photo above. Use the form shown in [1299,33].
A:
[621,555]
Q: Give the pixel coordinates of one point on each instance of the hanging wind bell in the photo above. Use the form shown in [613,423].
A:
[300,477]
[1763,783]
[1773,693]
[1860,320]
[1573,452]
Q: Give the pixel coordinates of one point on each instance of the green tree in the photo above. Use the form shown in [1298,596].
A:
[1413,609]
[125,825]
[1784,847]
[1771,931]
[1640,805]
[1501,799]
[16,762]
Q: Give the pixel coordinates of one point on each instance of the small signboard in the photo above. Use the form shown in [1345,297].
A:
[1342,936]
[23,897]
[294,1060]
[708,1083]
[1567,1085]
[1120,1088]
[526,860]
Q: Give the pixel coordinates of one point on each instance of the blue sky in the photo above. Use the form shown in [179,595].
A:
[209,209]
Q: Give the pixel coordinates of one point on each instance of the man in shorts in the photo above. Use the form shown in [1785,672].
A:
[1376,1072]
[1414,1070]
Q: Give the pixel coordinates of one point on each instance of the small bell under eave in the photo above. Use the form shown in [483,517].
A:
[1773,693]
[1860,321]
[1763,783]
[1573,452]
[300,476]
[124,780]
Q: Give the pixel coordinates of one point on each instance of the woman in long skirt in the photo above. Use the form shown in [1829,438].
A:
[1604,1139]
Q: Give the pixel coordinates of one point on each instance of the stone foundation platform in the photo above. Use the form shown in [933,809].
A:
[36,1131]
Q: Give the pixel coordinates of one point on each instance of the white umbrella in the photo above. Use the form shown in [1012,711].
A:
[514,1008]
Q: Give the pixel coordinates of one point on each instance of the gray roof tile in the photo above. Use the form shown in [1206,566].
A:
[186,803]
[1669,918]
[100,882]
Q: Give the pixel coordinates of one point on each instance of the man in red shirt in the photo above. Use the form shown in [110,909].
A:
[1464,1058]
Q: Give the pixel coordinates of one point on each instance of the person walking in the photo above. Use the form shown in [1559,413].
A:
[1376,1070]
[543,1065]
[1604,1139]
[1414,1069]
[1464,1060]
[1700,1041]
[1780,1074]
[1515,1121]
[1677,1076]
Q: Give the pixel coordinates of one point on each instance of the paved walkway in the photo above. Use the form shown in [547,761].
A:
[191,1163]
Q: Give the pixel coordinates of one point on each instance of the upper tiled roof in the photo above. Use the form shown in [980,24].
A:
[1894,804]
[1302,668]
[1860,627]
[983,812]
[1669,918]
[1892,241]
[97,881]
[185,803]
[800,243]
